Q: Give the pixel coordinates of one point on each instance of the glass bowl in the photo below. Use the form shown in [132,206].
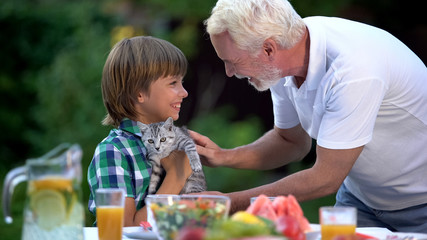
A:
[167,214]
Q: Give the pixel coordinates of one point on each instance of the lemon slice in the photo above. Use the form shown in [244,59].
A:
[76,212]
[243,216]
[49,206]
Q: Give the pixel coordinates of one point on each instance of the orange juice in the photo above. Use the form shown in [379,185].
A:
[331,231]
[110,222]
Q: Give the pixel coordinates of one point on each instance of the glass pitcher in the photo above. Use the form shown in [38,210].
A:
[53,208]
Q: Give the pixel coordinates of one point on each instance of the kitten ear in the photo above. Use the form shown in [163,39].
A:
[143,127]
[169,120]
[169,123]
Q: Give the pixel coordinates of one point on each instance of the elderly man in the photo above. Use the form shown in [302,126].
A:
[356,89]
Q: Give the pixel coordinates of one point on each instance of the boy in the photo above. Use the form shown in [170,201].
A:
[141,81]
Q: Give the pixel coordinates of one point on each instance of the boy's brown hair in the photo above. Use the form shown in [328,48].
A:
[131,67]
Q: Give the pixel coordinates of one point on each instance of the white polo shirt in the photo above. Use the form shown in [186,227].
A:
[363,87]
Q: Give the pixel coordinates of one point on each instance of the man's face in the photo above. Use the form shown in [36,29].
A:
[239,63]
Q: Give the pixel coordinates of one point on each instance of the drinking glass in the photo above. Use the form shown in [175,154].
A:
[336,221]
[254,198]
[110,204]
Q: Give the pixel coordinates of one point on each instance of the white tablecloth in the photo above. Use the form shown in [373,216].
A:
[91,233]
[380,233]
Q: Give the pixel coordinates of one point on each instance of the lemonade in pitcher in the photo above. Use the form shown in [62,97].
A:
[53,207]
[55,211]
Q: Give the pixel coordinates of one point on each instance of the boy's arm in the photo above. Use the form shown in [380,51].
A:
[178,170]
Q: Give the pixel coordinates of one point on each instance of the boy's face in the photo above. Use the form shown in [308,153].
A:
[163,101]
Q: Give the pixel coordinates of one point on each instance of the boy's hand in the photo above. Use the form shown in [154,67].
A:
[177,163]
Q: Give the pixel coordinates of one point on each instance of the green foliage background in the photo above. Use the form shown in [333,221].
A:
[52,55]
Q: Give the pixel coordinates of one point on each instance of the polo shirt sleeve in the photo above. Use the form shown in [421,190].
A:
[285,115]
[351,109]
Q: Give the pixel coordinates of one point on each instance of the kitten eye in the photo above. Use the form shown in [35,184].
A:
[150,141]
[162,139]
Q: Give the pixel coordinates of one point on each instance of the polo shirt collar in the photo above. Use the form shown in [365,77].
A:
[317,58]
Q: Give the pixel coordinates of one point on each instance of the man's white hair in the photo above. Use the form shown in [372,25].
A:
[251,22]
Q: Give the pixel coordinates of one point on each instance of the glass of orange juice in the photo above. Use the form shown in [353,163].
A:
[110,204]
[336,221]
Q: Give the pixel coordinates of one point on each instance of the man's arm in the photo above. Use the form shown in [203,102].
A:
[275,148]
[324,178]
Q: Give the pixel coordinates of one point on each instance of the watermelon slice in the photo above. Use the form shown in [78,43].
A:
[262,207]
[257,204]
[281,206]
[295,210]
[267,211]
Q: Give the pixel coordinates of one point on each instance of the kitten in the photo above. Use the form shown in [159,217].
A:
[161,139]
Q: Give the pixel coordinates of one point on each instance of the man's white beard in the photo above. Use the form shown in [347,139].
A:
[269,77]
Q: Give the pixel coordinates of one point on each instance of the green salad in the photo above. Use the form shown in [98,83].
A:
[195,213]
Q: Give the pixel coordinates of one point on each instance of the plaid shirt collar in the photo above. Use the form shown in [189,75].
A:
[130,126]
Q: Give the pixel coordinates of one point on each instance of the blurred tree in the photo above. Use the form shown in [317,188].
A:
[49,82]
[28,42]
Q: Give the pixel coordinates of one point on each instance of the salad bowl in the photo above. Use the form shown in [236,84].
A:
[168,214]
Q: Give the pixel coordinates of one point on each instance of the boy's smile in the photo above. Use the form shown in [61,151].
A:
[177,106]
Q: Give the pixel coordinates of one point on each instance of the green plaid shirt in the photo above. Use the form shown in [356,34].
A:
[120,161]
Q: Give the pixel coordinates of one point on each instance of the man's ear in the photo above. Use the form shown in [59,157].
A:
[269,48]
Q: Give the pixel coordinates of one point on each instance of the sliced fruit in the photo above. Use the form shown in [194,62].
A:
[293,206]
[246,217]
[294,209]
[280,205]
[263,207]
[289,227]
[75,213]
[257,204]
[49,206]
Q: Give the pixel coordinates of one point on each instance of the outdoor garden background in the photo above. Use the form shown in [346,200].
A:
[51,57]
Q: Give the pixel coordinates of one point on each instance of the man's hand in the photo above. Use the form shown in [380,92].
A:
[207,149]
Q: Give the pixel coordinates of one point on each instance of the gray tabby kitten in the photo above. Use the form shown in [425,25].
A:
[161,139]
